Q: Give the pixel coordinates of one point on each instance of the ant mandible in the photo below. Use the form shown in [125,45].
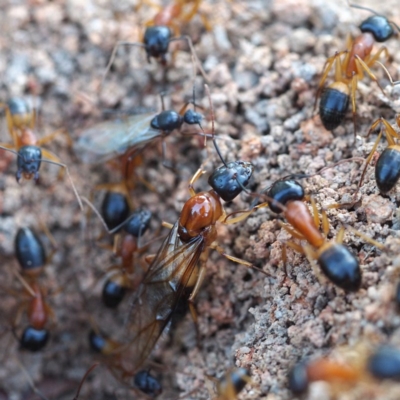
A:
[334,99]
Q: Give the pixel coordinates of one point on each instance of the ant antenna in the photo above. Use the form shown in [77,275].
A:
[213,127]
[372,12]
[83,380]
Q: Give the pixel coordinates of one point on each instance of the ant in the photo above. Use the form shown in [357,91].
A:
[142,380]
[387,168]
[125,246]
[31,256]
[382,363]
[158,36]
[21,119]
[107,140]
[173,273]
[358,59]
[335,259]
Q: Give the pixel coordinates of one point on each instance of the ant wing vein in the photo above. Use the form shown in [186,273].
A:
[110,139]
[163,286]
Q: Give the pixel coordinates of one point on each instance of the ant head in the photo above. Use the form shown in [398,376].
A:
[283,191]
[167,121]
[192,117]
[28,162]
[138,223]
[380,28]
[34,339]
[147,383]
[156,41]
[230,179]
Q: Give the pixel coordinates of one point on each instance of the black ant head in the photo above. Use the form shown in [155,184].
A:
[230,179]
[34,339]
[138,223]
[28,162]
[167,121]
[379,26]
[283,191]
[192,117]
[156,41]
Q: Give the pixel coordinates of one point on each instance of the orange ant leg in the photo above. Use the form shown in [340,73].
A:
[237,260]
[327,67]
[113,55]
[363,66]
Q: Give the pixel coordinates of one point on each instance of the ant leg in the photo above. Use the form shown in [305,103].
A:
[392,82]
[327,67]
[30,381]
[194,54]
[361,65]
[368,161]
[52,135]
[50,156]
[52,159]
[113,55]
[11,130]
[194,179]
[166,163]
[83,380]
[240,261]
[354,82]
[366,238]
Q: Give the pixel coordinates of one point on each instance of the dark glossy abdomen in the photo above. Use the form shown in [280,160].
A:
[34,339]
[385,363]
[113,293]
[387,169]
[341,267]
[29,250]
[333,107]
[114,209]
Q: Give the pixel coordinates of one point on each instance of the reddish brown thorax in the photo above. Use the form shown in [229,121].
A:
[37,309]
[362,47]
[165,16]
[201,211]
[27,138]
[127,248]
[298,215]
[331,371]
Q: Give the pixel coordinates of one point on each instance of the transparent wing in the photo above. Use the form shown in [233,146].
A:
[109,139]
[158,295]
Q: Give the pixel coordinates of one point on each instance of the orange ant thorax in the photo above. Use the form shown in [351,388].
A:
[362,47]
[201,211]
[27,138]
[298,215]
[126,251]
[165,16]
[37,309]
[332,371]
